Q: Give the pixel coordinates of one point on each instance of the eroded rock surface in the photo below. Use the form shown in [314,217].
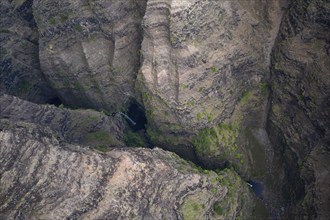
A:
[240,84]
[20,73]
[89,50]
[79,126]
[300,108]
[42,178]
[205,64]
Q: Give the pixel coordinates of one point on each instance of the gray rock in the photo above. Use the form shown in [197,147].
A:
[41,179]
[299,119]
[20,73]
[87,127]
[89,50]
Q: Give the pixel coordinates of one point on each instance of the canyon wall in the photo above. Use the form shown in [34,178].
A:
[237,87]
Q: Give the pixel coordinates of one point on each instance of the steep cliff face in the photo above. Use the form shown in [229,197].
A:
[299,118]
[20,73]
[87,127]
[42,178]
[205,65]
[89,50]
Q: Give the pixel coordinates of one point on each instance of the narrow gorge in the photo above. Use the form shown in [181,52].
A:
[165,109]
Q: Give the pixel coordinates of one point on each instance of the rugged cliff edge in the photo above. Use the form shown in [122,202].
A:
[87,127]
[42,178]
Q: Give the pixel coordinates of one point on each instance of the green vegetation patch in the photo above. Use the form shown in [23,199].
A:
[218,210]
[191,209]
[235,196]
[159,138]
[78,27]
[210,141]
[134,139]
[102,148]
[101,140]
[52,21]
[214,69]
[245,97]
[264,88]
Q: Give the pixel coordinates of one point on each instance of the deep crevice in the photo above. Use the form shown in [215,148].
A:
[137,113]
[55,101]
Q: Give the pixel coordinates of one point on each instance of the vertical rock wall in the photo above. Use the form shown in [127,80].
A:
[89,50]
[205,64]
[299,119]
[20,72]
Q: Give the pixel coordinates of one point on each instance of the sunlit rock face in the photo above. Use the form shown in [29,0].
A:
[85,127]
[44,178]
[89,50]
[205,64]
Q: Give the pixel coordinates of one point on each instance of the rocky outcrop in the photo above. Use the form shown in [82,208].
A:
[205,65]
[20,73]
[41,178]
[89,50]
[299,119]
[86,127]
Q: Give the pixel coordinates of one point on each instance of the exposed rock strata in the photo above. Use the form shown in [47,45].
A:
[204,82]
[86,127]
[41,178]
[89,50]
[205,63]
[20,73]
[300,109]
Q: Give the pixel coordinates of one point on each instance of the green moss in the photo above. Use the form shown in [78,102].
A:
[199,116]
[191,103]
[245,97]
[184,86]
[214,180]
[149,113]
[102,148]
[218,210]
[99,138]
[210,140]
[209,117]
[169,140]
[264,88]
[134,139]
[191,209]
[52,21]
[277,66]
[90,117]
[78,27]
[214,69]
[146,96]
[214,190]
